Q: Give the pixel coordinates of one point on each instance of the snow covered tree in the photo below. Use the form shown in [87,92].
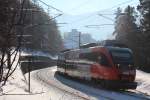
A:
[10,17]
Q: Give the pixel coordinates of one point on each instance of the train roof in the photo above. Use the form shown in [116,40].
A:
[88,45]
[113,43]
[110,44]
[118,48]
[110,48]
[65,50]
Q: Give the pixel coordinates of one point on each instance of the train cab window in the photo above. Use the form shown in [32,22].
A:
[122,57]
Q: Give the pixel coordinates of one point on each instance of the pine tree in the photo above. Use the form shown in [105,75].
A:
[118,12]
[144,9]
[127,32]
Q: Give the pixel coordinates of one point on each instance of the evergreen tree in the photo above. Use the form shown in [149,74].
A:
[144,9]
[118,12]
[126,31]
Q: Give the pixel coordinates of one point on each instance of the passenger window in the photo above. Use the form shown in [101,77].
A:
[103,60]
[89,56]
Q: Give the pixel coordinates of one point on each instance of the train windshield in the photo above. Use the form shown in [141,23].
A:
[122,57]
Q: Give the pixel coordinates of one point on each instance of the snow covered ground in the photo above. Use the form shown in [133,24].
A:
[17,89]
[143,80]
[92,92]
[39,53]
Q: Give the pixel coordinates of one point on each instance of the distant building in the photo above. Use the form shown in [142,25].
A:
[71,40]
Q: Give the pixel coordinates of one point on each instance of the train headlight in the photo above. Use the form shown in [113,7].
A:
[126,73]
[130,65]
[118,65]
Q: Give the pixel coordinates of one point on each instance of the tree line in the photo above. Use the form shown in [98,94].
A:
[23,24]
[40,30]
[132,27]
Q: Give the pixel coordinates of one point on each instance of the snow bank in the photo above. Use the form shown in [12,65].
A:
[39,53]
[17,89]
[143,80]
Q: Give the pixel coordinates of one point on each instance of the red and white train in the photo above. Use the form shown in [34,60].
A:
[110,66]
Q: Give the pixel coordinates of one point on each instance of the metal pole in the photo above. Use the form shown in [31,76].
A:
[29,74]
[79,39]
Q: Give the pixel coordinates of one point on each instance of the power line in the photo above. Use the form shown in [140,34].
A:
[82,19]
[91,15]
[50,6]
[106,17]
[115,6]
[79,6]
[96,26]
[59,12]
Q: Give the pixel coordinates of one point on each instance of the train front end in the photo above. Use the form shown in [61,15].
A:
[123,63]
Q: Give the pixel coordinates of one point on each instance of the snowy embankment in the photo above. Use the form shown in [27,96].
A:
[17,88]
[39,53]
[143,80]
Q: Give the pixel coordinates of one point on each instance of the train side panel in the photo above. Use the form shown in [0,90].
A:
[96,63]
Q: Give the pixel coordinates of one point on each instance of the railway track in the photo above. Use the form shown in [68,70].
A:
[53,82]
[137,94]
[67,91]
[134,93]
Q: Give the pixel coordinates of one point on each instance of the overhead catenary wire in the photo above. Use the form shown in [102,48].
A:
[115,6]
[97,26]
[106,17]
[103,10]
[82,19]
[80,5]
[50,6]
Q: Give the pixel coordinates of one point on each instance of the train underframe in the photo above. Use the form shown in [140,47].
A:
[115,84]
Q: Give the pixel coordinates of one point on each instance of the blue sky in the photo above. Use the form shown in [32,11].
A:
[86,6]
[78,8]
